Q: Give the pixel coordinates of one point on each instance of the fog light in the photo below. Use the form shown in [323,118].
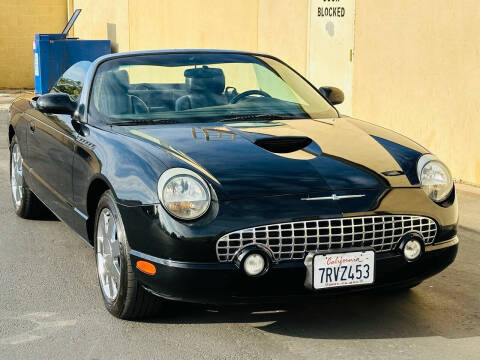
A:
[253,261]
[412,250]
[254,264]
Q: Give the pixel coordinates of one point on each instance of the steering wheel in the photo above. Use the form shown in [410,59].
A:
[139,106]
[248,93]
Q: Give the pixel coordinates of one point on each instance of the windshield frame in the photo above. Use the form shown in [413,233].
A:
[86,96]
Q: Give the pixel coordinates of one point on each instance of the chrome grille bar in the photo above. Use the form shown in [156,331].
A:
[293,240]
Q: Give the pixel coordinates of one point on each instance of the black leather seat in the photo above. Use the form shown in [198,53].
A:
[114,97]
[205,87]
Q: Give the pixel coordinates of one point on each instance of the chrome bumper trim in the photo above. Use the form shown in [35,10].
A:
[453,241]
[291,241]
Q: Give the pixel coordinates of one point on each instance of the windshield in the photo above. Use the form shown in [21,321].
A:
[201,87]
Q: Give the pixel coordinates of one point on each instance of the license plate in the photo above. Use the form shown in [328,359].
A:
[343,269]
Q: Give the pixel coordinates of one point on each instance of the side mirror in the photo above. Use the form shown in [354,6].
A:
[332,94]
[56,103]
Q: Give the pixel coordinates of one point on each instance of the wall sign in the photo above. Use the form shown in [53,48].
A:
[330,46]
[331,10]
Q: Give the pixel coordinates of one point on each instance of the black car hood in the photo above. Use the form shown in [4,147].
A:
[281,157]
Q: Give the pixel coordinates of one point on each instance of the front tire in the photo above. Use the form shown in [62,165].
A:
[123,296]
[27,205]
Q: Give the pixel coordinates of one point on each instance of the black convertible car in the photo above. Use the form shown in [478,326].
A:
[226,177]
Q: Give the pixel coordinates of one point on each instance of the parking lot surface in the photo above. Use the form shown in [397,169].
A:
[51,307]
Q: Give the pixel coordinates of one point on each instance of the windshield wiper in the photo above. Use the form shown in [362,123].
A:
[260,117]
[144,122]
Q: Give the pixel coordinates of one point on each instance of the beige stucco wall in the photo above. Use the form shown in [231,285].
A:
[272,26]
[282,31]
[19,21]
[103,20]
[417,71]
[164,24]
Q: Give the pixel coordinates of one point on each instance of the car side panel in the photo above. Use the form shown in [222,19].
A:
[50,155]
[128,166]
[17,120]
[20,124]
[51,178]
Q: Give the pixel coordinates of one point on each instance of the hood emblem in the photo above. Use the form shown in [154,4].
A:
[334,197]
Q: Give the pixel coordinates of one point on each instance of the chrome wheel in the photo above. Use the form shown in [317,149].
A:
[108,254]
[16,176]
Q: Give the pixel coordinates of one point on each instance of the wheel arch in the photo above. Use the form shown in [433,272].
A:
[95,191]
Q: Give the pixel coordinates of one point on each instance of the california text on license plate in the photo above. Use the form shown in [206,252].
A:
[343,269]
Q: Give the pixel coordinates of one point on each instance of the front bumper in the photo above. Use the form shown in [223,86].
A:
[216,283]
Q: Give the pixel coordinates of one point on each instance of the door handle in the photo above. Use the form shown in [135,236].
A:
[32,126]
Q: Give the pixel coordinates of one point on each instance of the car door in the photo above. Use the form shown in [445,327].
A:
[50,155]
[51,143]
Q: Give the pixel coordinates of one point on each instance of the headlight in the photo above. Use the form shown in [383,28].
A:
[183,193]
[434,177]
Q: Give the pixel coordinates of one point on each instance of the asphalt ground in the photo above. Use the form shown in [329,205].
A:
[51,307]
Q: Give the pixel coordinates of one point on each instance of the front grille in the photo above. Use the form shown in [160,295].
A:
[293,240]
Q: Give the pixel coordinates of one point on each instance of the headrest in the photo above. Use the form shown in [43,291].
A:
[117,78]
[205,79]
[122,77]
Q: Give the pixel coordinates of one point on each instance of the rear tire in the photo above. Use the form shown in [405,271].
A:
[123,295]
[26,204]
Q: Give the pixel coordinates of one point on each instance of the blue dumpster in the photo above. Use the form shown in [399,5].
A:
[55,53]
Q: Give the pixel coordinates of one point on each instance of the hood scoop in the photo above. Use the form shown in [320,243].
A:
[283,144]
